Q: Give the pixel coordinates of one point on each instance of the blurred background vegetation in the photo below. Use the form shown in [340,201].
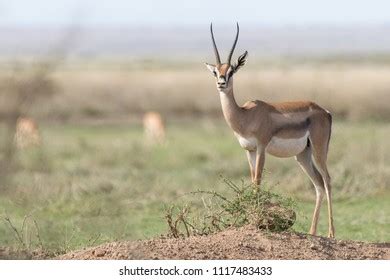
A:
[93,177]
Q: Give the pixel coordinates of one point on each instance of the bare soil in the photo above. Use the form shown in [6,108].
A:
[241,243]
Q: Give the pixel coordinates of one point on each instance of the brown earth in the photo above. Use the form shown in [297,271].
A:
[242,243]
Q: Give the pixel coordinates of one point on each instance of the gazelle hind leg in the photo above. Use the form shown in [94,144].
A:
[328,190]
[320,143]
[305,161]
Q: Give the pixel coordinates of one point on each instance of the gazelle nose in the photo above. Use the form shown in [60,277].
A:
[221,81]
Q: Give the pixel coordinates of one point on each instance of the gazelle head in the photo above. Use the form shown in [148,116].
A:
[223,72]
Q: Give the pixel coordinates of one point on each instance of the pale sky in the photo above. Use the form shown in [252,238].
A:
[176,12]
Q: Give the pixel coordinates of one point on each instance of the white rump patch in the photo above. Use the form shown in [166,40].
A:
[289,147]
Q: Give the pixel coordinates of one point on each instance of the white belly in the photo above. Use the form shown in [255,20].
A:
[248,143]
[281,147]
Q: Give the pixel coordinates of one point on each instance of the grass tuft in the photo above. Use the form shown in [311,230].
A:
[242,205]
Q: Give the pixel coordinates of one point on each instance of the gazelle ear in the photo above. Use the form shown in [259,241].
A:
[240,61]
[211,68]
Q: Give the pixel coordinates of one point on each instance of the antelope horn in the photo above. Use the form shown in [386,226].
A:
[234,45]
[215,45]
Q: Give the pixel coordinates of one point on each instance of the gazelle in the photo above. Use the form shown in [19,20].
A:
[154,127]
[27,133]
[301,129]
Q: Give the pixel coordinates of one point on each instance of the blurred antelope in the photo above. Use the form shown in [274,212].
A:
[154,127]
[289,129]
[27,133]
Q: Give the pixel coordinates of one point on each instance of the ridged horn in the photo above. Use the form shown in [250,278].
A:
[234,45]
[215,45]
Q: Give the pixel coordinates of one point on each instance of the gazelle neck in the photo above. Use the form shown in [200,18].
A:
[231,111]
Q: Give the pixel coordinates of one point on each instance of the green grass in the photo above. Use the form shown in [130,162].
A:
[92,184]
[358,219]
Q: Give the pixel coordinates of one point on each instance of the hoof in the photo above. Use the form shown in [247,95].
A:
[331,235]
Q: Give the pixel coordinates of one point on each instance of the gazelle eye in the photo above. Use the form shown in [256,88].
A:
[215,73]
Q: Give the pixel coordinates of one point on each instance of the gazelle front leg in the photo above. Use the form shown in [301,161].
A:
[260,159]
[252,163]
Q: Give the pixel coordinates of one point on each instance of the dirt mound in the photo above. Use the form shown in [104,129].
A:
[242,243]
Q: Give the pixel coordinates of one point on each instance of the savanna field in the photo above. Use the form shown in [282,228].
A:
[95,178]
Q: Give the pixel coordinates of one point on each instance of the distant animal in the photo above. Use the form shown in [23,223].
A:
[26,133]
[154,127]
[289,129]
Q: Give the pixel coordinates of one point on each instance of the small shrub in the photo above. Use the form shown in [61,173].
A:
[23,235]
[246,204]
